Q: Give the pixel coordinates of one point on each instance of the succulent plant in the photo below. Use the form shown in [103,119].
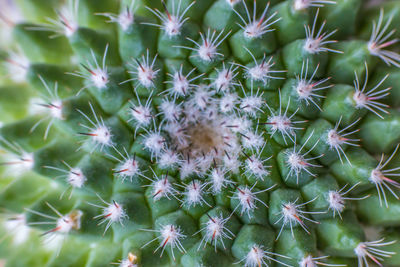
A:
[199,133]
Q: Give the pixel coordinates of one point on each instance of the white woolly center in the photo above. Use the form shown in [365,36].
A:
[130,261]
[125,20]
[56,109]
[334,139]
[17,67]
[102,135]
[154,142]
[141,114]
[218,180]
[52,109]
[204,163]
[255,166]
[280,123]
[146,75]
[246,199]
[312,45]
[64,225]
[336,201]
[301,4]
[68,21]
[214,228]
[34,108]
[170,235]
[11,15]
[168,159]
[172,26]
[180,84]
[307,262]
[127,263]
[99,77]
[252,140]
[201,97]
[376,176]
[361,250]
[232,3]
[76,178]
[251,104]
[178,133]
[27,161]
[227,103]
[374,49]
[224,80]
[361,99]
[289,212]
[188,168]
[304,90]
[254,257]
[207,52]
[296,162]
[162,188]
[19,229]
[129,168]
[260,72]
[19,164]
[193,193]
[232,163]
[239,124]
[68,222]
[114,212]
[170,110]
[253,30]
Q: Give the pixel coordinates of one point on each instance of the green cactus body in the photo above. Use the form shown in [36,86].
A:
[199,133]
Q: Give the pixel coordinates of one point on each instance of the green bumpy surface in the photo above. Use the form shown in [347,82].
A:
[208,133]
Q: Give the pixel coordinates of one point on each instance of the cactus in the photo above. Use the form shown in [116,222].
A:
[199,133]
